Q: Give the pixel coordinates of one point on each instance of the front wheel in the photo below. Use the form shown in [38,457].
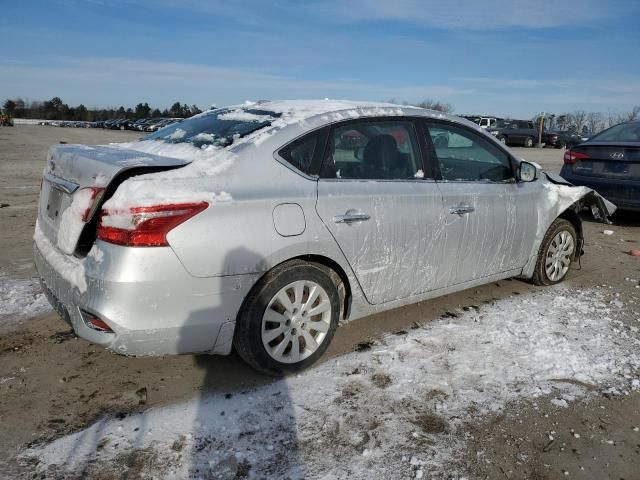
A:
[288,319]
[528,142]
[557,251]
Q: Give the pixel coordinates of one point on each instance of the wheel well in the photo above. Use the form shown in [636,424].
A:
[339,277]
[570,215]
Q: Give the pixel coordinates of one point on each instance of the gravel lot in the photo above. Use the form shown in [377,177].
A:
[53,384]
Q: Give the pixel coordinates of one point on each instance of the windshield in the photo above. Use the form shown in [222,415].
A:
[217,127]
[625,132]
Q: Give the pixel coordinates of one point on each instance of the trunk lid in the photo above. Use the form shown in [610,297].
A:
[78,178]
[619,161]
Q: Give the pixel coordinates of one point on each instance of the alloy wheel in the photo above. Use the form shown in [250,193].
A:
[296,321]
[559,255]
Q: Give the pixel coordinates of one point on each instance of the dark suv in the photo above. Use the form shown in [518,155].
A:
[516,132]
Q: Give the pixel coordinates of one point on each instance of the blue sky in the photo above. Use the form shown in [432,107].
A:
[503,57]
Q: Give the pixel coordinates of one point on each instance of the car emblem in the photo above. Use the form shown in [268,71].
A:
[617,155]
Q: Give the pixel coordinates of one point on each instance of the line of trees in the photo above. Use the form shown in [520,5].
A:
[56,109]
[589,122]
[580,121]
[436,105]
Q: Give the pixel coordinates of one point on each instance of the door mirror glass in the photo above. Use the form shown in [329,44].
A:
[527,172]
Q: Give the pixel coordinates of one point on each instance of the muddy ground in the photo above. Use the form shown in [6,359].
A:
[58,383]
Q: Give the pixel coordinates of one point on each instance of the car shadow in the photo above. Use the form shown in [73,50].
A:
[244,423]
[625,218]
[621,218]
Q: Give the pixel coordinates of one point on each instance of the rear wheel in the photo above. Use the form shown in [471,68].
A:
[557,251]
[503,140]
[288,319]
[528,142]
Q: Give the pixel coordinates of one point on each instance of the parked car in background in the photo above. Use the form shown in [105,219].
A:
[161,123]
[487,122]
[482,122]
[515,132]
[280,223]
[561,139]
[609,163]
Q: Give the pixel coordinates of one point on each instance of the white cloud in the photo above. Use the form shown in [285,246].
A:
[462,14]
[121,81]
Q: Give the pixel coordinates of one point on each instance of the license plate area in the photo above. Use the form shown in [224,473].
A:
[54,202]
[616,167]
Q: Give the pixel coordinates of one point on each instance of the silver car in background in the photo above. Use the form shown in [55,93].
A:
[262,226]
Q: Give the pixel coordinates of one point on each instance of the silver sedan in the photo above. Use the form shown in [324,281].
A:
[261,227]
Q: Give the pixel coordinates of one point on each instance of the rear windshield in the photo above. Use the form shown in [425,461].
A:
[217,127]
[625,132]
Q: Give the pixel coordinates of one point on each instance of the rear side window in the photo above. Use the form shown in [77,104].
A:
[302,153]
[625,132]
[373,150]
[466,156]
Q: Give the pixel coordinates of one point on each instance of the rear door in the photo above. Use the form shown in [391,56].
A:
[382,208]
[491,219]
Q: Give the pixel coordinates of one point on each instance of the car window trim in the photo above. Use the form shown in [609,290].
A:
[414,121]
[434,157]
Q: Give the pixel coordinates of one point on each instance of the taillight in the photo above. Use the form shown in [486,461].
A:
[571,157]
[145,226]
[94,194]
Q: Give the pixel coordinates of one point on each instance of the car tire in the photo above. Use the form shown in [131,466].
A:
[264,314]
[557,251]
[528,142]
[561,145]
[503,140]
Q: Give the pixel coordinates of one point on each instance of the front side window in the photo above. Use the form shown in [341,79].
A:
[373,150]
[466,156]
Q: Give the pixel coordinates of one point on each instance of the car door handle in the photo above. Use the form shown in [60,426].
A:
[351,216]
[462,209]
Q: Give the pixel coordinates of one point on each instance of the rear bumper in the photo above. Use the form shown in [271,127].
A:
[624,194]
[145,295]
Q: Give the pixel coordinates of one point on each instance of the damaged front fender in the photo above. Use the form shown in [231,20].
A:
[600,207]
[559,197]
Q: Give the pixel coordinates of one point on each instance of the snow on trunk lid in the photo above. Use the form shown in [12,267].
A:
[75,182]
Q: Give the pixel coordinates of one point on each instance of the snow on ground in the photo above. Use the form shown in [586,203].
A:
[20,299]
[392,410]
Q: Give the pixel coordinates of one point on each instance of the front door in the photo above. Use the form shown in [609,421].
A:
[491,219]
[385,215]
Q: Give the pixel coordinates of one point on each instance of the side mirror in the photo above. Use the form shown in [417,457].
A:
[527,172]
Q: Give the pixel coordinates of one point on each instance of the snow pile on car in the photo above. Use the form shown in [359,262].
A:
[391,410]
[193,182]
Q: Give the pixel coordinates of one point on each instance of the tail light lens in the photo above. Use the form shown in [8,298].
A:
[145,226]
[571,157]
[94,194]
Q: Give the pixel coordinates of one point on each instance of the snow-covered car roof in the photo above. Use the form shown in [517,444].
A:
[293,111]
